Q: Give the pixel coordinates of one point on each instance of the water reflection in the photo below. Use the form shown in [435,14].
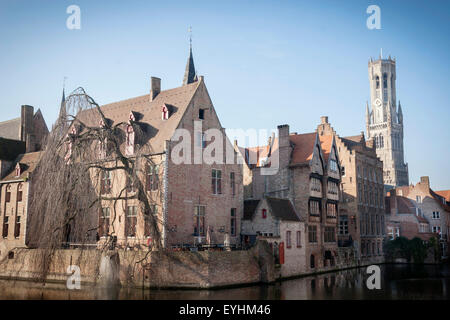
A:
[397,282]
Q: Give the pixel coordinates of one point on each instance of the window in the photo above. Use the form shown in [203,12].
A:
[329,234]
[315,185]
[391,233]
[233,222]
[104,222]
[377,218]
[382,225]
[264,213]
[199,221]
[18,170]
[312,262]
[130,185]
[19,193]
[333,165]
[436,215]
[106,182]
[5,226]
[8,194]
[129,148]
[299,239]
[332,187]
[152,177]
[418,199]
[232,183]
[201,114]
[343,225]
[436,229]
[131,221]
[358,169]
[360,200]
[312,234]
[314,207]
[201,139]
[216,181]
[377,82]
[343,171]
[17,227]
[397,232]
[288,239]
[372,224]
[331,209]
[385,81]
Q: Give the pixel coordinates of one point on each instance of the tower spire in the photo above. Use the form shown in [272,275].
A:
[189,74]
[400,113]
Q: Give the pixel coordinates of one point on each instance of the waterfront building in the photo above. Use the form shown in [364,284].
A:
[384,122]
[194,202]
[15,189]
[430,209]
[307,172]
[276,221]
[361,216]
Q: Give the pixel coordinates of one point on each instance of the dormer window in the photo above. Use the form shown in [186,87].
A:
[165,113]
[18,170]
[129,148]
[201,114]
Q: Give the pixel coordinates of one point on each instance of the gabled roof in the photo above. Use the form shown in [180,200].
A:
[303,147]
[326,143]
[280,208]
[156,130]
[445,194]
[10,129]
[249,208]
[27,161]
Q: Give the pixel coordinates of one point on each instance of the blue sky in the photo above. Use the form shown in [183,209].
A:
[265,62]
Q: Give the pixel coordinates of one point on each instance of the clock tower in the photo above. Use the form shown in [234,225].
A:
[384,122]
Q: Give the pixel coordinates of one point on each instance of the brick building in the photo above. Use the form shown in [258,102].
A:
[307,172]
[190,200]
[430,209]
[15,189]
[275,221]
[362,215]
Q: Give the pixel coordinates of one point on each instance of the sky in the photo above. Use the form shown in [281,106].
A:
[265,63]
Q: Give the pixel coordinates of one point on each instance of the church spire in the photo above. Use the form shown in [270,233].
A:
[189,74]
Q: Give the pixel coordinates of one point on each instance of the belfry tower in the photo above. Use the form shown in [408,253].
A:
[384,122]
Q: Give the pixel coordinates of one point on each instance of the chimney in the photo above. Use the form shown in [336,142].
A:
[323,119]
[425,180]
[283,135]
[26,122]
[155,87]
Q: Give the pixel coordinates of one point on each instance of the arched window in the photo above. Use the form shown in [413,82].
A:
[19,192]
[384,81]
[392,82]
[377,81]
[381,141]
[8,194]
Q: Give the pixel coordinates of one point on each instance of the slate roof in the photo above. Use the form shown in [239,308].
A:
[10,149]
[28,162]
[283,209]
[10,129]
[280,208]
[249,208]
[156,130]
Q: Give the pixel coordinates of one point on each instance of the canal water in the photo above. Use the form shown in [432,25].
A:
[400,281]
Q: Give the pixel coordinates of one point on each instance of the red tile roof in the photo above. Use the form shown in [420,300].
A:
[303,147]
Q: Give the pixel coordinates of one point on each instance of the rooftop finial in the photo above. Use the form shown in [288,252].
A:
[190,37]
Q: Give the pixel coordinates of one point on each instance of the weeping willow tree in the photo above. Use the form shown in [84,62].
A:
[72,183]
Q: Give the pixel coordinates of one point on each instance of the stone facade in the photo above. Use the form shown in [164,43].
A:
[384,123]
